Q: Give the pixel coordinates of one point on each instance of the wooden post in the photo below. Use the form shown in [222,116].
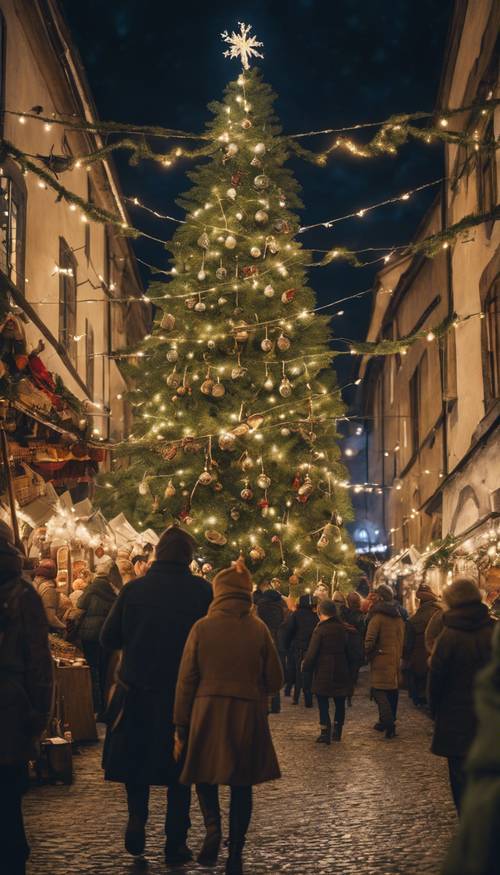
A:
[4,448]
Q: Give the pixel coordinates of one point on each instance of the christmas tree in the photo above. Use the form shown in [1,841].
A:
[235,399]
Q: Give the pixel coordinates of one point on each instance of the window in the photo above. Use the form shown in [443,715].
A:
[2,68]
[90,199]
[492,325]
[414,393]
[67,299]
[12,224]
[487,175]
[89,357]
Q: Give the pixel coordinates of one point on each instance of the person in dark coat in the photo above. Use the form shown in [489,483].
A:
[93,607]
[415,650]
[272,610]
[229,667]
[150,623]
[475,849]
[327,659]
[354,621]
[462,649]
[384,648]
[25,696]
[297,631]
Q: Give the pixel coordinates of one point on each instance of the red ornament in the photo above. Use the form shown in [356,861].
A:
[263,503]
[288,295]
[236,178]
[296,482]
[275,539]
[184,514]
[302,498]
[250,270]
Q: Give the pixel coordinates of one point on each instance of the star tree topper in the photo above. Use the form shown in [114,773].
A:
[242,45]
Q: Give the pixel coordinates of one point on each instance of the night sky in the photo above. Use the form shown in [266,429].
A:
[332,63]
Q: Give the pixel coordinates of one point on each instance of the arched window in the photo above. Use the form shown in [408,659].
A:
[492,357]
[67,299]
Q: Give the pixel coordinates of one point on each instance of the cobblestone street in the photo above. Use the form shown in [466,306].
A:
[368,806]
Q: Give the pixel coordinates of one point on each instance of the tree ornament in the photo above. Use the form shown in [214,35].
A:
[221,301]
[231,193]
[246,124]
[200,306]
[205,478]
[211,344]
[168,322]
[170,490]
[282,226]
[261,217]
[257,554]
[207,386]
[203,241]
[260,148]
[241,333]
[218,389]
[230,242]
[250,270]
[231,150]
[190,303]
[206,568]
[255,252]
[169,452]
[173,380]
[255,420]
[283,343]
[269,384]
[322,542]
[240,430]
[263,481]
[307,487]
[288,296]
[285,388]
[261,181]
[234,513]
[172,356]
[256,162]
[246,494]
[247,463]
[236,178]
[221,273]
[269,291]
[182,390]
[143,487]
[202,275]
[272,245]
[266,345]
[227,441]
[215,537]
[238,372]
[218,487]
[285,432]
[337,518]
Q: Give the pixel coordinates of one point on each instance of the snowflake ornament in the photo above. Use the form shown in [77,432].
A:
[242,45]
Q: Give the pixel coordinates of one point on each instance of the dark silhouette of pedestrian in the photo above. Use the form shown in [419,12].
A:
[150,623]
[475,849]
[25,696]
[271,608]
[229,668]
[93,607]
[384,648]
[460,651]
[327,659]
[354,621]
[297,632]
[415,650]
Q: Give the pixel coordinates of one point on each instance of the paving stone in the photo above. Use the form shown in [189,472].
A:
[366,806]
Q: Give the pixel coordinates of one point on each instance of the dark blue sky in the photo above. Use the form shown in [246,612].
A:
[332,63]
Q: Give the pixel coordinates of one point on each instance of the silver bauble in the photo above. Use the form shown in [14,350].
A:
[231,193]
[266,345]
[221,273]
[232,149]
[260,148]
[261,181]
[285,388]
[200,307]
[230,242]
[255,252]
[172,356]
[269,291]
[261,217]
[263,481]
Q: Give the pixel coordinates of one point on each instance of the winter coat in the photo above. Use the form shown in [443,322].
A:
[415,650]
[355,625]
[25,664]
[327,659]
[96,602]
[299,626]
[462,649]
[150,622]
[433,630]
[384,645]
[272,610]
[51,600]
[475,849]
[229,668]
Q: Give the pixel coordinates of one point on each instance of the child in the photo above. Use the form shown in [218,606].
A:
[327,659]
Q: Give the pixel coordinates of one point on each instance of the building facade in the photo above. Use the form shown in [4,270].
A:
[73,283]
[433,442]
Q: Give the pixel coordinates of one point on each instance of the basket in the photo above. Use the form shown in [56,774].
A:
[29,485]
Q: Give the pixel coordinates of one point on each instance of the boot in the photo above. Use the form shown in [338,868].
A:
[379,726]
[177,856]
[213,836]
[390,731]
[234,864]
[135,836]
[337,731]
[325,735]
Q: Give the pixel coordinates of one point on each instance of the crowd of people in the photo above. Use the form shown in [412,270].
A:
[199,666]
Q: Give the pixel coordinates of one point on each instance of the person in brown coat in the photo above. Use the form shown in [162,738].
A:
[384,649]
[462,649]
[327,659]
[229,667]
[415,650]
[45,584]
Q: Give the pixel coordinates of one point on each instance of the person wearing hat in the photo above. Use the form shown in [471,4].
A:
[462,649]
[415,650]
[25,695]
[297,632]
[150,622]
[229,667]
[384,649]
[45,583]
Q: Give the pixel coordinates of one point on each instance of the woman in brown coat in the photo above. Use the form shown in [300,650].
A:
[229,668]
[384,649]
[327,658]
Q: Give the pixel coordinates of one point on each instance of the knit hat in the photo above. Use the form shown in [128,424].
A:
[175,545]
[385,592]
[463,591]
[235,579]
[47,569]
